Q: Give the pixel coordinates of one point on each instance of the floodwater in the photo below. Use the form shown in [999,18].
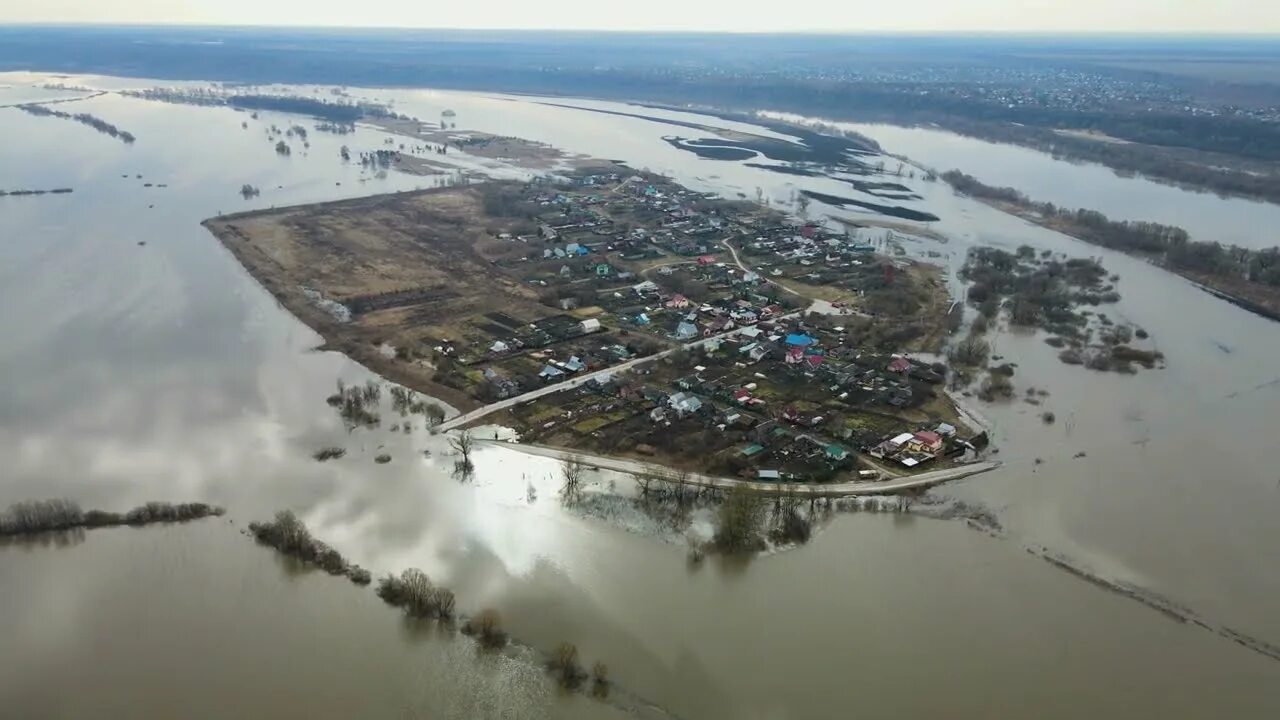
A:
[162,371]
[1073,184]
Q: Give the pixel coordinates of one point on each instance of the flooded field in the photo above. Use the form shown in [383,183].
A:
[145,364]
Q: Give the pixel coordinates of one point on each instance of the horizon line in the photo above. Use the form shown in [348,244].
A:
[1274,34]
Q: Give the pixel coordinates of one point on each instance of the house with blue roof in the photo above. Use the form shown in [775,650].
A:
[800,340]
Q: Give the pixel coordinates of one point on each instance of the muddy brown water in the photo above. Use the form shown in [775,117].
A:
[164,372]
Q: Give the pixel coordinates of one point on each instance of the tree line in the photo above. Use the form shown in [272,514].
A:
[38,516]
[96,123]
[1168,245]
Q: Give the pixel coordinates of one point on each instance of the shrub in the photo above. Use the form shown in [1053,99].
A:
[564,666]
[600,680]
[487,629]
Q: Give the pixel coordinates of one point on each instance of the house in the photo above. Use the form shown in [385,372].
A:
[686,331]
[642,319]
[899,365]
[551,372]
[741,395]
[565,271]
[800,340]
[719,325]
[547,232]
[603,270]
[795,356]
[658,414]
[946,430]
[589,326]
[898,441]
[575,364]
[648,286]
[678,302]
[751,332]
[927,441]
[759,352]
[835,452]
[751,450]
[684,403]
[705,260]
[498,347]
[568,303]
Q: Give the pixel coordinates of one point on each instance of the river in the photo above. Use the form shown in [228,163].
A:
[1072,184]
[162,371]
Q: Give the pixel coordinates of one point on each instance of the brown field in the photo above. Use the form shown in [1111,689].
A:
[411,265]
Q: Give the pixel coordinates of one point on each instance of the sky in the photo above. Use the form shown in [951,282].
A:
[1146,16]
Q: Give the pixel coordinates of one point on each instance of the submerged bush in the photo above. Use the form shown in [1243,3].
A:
[290,536]
[487,629]
[564,666]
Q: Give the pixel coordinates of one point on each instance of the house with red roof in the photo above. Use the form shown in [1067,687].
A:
[927,441]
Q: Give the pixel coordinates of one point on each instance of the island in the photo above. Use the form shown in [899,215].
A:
[615,313]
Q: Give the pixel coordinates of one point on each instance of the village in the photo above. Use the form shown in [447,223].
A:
[750,384]
[614,311]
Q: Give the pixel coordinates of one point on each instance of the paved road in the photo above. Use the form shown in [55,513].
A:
[843,489]
[470,417]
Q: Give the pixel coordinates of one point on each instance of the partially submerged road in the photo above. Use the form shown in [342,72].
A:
[841,489]
[470,417]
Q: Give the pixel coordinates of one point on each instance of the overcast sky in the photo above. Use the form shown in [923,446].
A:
[1243,16]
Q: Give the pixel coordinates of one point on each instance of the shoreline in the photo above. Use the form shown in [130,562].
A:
[832,490]
[305,311]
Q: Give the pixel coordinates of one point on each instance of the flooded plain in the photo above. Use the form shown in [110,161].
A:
[162,371]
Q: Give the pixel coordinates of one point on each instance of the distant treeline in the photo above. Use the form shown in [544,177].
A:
[333,112]
[55,191]
[1164,164]
[96,123]
[1169,245]
[37,516]
[337,116]
[805,74]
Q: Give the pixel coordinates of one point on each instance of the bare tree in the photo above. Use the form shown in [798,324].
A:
[462,443]
[572,468]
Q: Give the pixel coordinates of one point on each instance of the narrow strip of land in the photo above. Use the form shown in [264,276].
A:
[840,489]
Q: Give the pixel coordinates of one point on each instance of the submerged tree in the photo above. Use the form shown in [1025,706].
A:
[572,469]
[740,522]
